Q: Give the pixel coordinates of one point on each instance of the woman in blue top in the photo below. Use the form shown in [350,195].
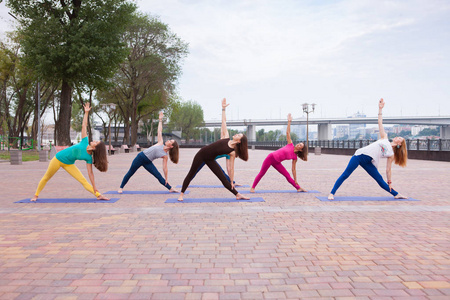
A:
[145,159]
[83,151]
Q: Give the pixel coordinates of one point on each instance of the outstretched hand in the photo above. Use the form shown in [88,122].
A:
[161,115]
[289,117]
[224,103]
[87,107]
[381,103]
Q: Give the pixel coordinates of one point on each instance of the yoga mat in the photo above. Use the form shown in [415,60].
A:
[277,191]
[212,186]
[67,200]
[142,192]
[212,200]
[359,198]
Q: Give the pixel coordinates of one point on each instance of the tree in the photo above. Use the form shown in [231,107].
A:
[260,135]
[18,92]
[187,117]
[429,132]
[146,80]
[74,42]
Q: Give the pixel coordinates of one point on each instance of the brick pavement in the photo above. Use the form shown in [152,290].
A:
[290,247]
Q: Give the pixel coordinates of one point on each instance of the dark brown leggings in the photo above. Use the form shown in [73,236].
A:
[215,168]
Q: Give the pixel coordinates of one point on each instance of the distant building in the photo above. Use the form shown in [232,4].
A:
[341,131]
[357,129]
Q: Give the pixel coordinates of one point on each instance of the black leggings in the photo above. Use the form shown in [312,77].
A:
[215,168]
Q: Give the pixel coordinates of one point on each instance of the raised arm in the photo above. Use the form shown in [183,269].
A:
[288,129]
[87,108]
[383,134]
[223,130]
[160,137]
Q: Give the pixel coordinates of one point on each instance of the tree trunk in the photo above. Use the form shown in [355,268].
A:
[134,123]
[36,113]
[126,133]
[62,126]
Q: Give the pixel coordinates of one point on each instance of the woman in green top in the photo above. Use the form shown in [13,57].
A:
[83,151]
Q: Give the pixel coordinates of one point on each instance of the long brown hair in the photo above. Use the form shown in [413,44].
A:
[303,154]
[100,158]
[174,152]
[241,149]
[401,154]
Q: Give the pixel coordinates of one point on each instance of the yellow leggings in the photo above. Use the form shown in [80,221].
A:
[54,166]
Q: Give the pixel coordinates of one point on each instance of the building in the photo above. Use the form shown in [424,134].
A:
[357,130]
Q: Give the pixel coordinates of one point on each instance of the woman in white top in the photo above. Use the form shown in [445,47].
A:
[369,156]
[145,159]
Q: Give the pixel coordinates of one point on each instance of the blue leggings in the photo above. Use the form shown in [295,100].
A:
[142,161]
[364,161]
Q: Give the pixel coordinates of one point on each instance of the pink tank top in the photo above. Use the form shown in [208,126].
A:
[285,153]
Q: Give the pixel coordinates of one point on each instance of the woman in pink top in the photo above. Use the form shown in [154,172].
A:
[274,159]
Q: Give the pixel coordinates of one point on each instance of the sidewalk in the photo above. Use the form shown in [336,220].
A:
[292,246]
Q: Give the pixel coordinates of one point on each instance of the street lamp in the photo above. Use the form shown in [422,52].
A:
[109,108]
[306,110]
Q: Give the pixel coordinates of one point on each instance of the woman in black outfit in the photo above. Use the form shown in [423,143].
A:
[235,147]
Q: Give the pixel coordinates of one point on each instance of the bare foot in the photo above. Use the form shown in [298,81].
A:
[101,197]
[330,197]
[400,196]
[302,190]
[34,198]
[181,197]
[237,184]
[241,197]
[172,190]
[252,190]
[120,191]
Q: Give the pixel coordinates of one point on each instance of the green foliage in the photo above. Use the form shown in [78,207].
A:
[429,132]
[145,83]
[187,117]
[78,41]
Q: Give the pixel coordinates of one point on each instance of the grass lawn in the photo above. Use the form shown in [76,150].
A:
[28,155]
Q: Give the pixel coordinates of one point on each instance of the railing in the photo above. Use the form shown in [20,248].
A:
[416,144]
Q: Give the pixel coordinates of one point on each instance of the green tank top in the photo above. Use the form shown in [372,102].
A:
[69,155]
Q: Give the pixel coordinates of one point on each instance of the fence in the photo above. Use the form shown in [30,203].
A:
[416,144]
[7,142]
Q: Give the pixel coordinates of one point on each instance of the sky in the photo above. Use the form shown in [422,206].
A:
[267,57]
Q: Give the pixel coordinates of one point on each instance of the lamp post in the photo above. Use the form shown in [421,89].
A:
[306,110]
[109,108]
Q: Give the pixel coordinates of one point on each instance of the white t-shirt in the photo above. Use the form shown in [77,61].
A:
[377,150]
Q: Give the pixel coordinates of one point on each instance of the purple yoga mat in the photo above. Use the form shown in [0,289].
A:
[67,200]
[213,200]
[143,192]
[360,198]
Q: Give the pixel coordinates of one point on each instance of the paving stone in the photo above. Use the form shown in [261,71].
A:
[292,246]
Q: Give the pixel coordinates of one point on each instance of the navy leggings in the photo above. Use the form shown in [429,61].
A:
[364,161]
[142,161]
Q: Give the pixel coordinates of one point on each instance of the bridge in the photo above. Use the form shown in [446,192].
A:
[324,124]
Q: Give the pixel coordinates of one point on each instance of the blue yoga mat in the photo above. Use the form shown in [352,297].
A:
[358,198]
[212,186]
[67,200]
[277,191]
[142,192]
[212,200]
